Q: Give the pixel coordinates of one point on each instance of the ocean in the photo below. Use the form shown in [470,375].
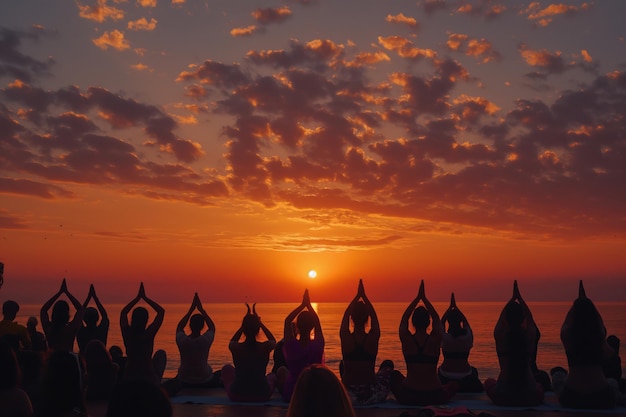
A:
[482,317]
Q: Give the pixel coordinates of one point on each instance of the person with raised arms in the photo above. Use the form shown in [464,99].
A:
[583,335]
[515,335]
[359,349]
[59,330]
[92,329]
[247,379]
[304,345]
[457,342]
[138,339]
[421,353]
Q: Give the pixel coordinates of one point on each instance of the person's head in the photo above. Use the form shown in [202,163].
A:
[514,314]
[305,322]
[251,325]
[319,393]
[420,318]
[139,319]
[96,353]
[196,323]
[60,313]
[32,323]
[116,351]
[91,316]
[360,315]
[10,309]
[138,398]
[613,341]
[454,323]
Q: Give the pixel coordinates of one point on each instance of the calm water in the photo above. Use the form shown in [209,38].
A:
[482,317]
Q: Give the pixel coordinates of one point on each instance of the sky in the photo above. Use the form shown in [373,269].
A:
[229,147]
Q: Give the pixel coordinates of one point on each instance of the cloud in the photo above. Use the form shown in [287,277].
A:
[271,15]
[542,17]
[244,31]
[485,8]
[142,24]
[478,48]
[147,3]
[405,48]
[141,67]
[32,188]
[114,39]
[8,221]
[431,6]
[100,11]
[14,63]
[403,20]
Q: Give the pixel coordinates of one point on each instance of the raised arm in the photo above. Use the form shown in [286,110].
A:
[160,314]
[288,328]
[344,328]
[180,327]
[437,328]
[124,324]
[207,319]
[528,316]
[78,315]
[404,322]
[317,327]
[374,323]
[44,318]
[452,306]
[104,317]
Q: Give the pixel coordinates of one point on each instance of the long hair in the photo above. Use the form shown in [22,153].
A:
[517,349]
[319,393]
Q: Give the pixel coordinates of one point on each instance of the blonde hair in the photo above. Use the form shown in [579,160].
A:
[319,393]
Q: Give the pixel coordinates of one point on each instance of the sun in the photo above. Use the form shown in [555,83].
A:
[312,274]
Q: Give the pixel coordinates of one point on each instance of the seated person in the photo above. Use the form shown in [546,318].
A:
[37,338]
[194,369]
[458,340]
[138,339]
[92,329]
[584,338]
[247,380]
[515,335]
[421,353]
[102,372]
[359,349]
[304,345]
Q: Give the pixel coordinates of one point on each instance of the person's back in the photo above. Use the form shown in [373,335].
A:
[13,400]
[583,337]
[92,330]
[194,353]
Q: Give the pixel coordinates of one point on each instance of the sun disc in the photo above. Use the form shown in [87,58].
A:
[312,274]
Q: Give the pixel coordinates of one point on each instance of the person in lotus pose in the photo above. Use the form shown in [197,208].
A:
[421,353]
[359,349]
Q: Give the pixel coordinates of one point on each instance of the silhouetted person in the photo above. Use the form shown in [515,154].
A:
[421,353]
[13,333]
[584,338]
[359,349]
[247,379]
[458,340]
[304,345]
[58,328]
[117,355]
[319,393]
[515,335]
[92,329]
[194,369]
[37,338]
[139,340]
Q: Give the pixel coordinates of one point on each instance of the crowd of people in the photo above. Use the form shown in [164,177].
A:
[43,376]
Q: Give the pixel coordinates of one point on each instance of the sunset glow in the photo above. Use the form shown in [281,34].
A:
[219,147]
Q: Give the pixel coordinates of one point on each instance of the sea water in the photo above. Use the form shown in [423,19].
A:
[482,317]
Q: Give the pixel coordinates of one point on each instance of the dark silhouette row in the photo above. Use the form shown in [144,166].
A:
[58,379]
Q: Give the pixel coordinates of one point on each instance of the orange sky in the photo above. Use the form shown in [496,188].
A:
[228,148]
